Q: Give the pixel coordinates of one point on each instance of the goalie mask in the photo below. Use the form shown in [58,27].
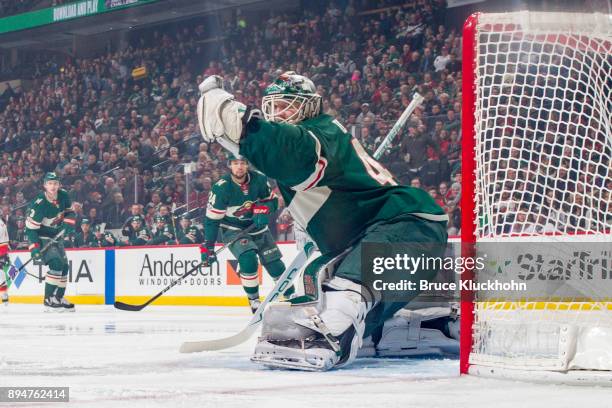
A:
[292,98]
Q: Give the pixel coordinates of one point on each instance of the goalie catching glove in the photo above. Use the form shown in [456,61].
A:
[221,118]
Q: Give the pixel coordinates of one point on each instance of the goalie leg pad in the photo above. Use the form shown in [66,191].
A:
[428,331]
[315,336]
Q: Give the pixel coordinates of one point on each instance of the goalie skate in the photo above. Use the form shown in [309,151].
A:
[303,355]
[317,336]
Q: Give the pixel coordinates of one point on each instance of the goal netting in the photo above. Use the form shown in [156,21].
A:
[537,171]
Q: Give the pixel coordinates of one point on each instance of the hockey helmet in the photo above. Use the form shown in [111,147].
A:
[297,92]
[231,157]
[50,176]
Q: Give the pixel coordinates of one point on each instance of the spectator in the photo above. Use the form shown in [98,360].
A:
[442,60]
[365,112]
[284,226]
[115,212]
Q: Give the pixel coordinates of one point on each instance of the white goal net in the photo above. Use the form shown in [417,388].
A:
[541,143]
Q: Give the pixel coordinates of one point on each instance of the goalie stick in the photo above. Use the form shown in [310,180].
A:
[287,277]
[136,308]
[281,285]
[416,101]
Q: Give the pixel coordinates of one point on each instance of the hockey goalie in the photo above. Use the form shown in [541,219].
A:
[342,198]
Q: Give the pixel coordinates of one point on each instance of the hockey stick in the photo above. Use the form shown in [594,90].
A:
[282,284]
[136,308]
[416,101]
[7,278]
[42,250]
[172,215]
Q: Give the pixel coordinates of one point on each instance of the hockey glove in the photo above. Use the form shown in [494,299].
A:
[4,263]
[207,254]
[109,238]
[221,118]
[261,215]
[4,260]
[36,256]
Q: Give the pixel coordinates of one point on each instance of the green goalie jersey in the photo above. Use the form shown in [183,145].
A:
[45,218]
[230,204]
[333,188]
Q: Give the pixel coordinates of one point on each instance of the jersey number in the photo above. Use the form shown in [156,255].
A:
[374,168]
[211,199]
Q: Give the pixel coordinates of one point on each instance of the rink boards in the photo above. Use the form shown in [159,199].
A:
[135,274]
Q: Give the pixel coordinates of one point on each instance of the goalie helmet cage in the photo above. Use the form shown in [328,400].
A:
[536,156]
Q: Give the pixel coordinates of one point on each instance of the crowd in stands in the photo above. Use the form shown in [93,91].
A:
[120,143]
[12,7]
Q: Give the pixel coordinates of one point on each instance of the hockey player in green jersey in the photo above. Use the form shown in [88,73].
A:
[103,238]
[187,233]
[164,235]
[139,234]
[85,238]
[343,198]
[51,212]
[236,201]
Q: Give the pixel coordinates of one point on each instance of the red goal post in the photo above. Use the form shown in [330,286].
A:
[536,154]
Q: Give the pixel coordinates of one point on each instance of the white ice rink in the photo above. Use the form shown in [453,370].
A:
[110,358]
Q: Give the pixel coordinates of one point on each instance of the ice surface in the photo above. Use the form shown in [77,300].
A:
[111,358]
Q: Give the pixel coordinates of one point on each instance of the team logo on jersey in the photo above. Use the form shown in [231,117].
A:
[245,209]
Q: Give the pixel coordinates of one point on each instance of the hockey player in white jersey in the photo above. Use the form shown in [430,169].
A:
[343,198]
[4,261]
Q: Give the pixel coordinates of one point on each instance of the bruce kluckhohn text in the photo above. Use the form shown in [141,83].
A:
[424,285]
